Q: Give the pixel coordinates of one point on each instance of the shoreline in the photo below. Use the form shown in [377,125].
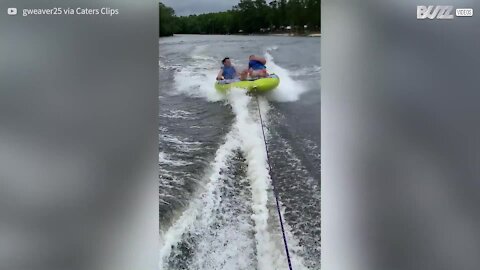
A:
[295,35]
[314,34]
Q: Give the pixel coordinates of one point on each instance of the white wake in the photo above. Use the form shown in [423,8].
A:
[270,248]
[227,246]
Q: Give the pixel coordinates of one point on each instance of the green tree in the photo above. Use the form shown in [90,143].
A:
[296,16]
[313,14]
[282,12]
[250,16]
[261,14]
[167,20]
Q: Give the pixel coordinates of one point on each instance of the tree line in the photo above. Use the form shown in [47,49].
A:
[248,16]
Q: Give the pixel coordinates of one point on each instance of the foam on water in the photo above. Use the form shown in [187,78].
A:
[270,254]
[180,144]
[257,172]
[306,71]
[197,82]
[178,114]
[175,140]
[289,89]
[163,158]
[217,231]
[198,78]
[201,208]
[227,245]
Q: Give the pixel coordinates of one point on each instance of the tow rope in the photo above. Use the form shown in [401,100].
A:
[274,189]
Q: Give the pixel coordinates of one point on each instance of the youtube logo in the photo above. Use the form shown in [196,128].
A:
[12,11]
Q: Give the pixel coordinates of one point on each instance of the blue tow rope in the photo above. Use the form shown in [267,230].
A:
[275,191]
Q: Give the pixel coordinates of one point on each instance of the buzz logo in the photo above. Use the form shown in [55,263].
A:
[435,12]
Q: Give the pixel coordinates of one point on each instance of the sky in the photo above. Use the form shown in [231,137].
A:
[187,7]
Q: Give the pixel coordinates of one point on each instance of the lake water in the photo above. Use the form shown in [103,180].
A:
[217,207]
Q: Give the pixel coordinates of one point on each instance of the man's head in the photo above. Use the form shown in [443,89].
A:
[226,61]
[251,56]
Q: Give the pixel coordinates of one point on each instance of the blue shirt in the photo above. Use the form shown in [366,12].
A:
[256,65]
[229,72]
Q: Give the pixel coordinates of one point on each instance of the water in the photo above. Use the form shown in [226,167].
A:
[217,208]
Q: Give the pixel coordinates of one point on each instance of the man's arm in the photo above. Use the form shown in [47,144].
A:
[220,75]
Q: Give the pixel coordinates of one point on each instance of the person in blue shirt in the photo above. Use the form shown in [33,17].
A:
[227,72]
[256,67]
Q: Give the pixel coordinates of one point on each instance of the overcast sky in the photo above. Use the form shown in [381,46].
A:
[187,7]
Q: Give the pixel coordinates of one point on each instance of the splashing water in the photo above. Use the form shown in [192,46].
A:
[231,223]
[197,218]
[270,251]
[195,81]
[218,232]
[289,90]
[198,79]
[251,144]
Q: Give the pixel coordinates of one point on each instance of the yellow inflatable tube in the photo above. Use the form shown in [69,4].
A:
[261,85]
